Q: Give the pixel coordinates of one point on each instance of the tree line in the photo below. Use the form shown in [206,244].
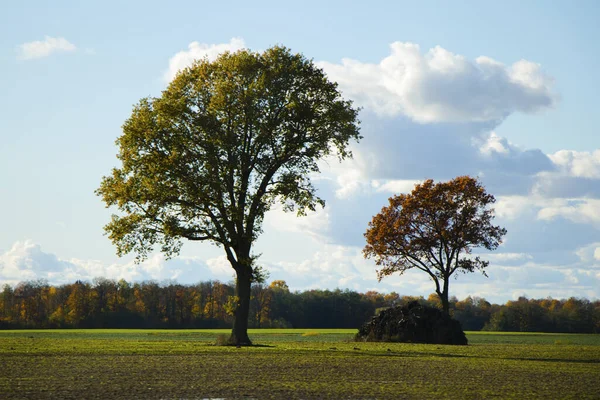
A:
[106,303]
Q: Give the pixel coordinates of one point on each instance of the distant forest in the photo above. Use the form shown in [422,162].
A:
[106,303]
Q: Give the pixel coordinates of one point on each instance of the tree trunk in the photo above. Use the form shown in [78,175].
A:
[239,333]
[444,298]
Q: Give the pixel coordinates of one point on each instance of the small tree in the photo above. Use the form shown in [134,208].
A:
[434,229]
[225,141]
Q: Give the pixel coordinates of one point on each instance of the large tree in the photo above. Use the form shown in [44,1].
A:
[434,229]
[226,141]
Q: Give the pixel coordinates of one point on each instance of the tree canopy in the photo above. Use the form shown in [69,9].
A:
[223,143]
[434,229]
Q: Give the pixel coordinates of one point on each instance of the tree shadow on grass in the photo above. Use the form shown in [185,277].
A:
[244,346]
[553,360]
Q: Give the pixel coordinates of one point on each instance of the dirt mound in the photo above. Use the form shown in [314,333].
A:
[413,323]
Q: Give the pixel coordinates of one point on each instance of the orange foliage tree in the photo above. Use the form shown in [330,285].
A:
[434,229]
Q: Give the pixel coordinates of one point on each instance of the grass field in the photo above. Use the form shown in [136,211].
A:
[304,363]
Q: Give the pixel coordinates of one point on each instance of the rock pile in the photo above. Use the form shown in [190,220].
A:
[413,323]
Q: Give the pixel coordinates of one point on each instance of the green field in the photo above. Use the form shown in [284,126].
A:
[303,363]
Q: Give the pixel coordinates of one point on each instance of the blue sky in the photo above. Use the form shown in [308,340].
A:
[505,91]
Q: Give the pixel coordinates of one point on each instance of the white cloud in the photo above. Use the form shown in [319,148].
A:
[584,211]
[220,268]
[440,86]
[350,181]
[511,207]
[349,175]
[198,51]
[498,154]
[44,48]
[532,280]
[17,262]
[577,210]
[576,174]
[395,186]
[26,260]
[584,164]
[495,144]
[589,252]
[332,266]
[315,224]
[399,150]
[507,257]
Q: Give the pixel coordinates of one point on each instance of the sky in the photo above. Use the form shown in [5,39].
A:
[504,91]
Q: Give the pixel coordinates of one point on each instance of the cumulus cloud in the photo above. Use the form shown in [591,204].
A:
[220,268]
[440,86]
[433,115]
[522,274]
[589,253]
[350,176]
[26,260]
[196,51]
[499,153]
[401,151]
[395,186]
[581,164]
[539,281]
[504,258]
[495,144]
[333,266]
[549,240]
[44,48]
[512,207]
[350,181]
[577,210]
[315,224]
[575,174]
